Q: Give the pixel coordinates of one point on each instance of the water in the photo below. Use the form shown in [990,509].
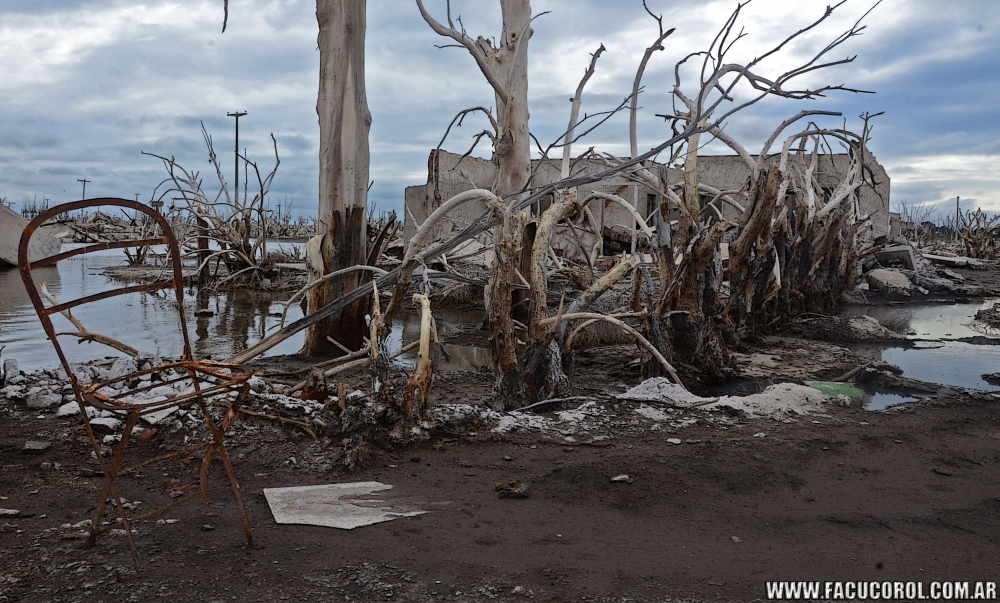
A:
[147,322]
[936,321]
[935,354]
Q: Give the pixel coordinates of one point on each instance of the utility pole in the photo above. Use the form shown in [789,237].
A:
[84,181]
[236,154]
[958,216]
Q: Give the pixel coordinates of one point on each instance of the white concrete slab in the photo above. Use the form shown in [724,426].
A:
[344,506]
[12,224]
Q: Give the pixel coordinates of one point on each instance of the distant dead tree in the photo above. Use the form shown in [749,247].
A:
[233,222]
[978,232]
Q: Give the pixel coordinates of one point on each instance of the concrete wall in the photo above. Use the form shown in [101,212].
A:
[11,226]
[450,174]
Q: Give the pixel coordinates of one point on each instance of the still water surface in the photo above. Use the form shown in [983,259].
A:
[147,322]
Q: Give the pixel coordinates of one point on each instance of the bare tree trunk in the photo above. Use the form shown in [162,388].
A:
[513,149]
[344,122]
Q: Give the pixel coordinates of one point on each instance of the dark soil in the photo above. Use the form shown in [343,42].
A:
[906,494]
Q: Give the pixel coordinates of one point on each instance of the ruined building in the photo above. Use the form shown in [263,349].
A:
[450,174]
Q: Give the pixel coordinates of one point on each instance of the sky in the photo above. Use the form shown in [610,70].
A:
[87,85]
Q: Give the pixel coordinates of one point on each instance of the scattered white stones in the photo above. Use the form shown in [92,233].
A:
[13,392]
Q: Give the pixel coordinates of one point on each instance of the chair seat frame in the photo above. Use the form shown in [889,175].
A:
[211,381]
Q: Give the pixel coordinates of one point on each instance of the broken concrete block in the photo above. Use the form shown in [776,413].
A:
[888,282]
[333,505]
[154,418]
[42,401]
[661,390]
[899,255]
[10,368]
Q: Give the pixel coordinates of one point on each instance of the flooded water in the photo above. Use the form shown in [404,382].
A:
[935,355]
[147,322]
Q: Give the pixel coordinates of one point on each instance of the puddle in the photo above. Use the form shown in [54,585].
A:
[451,324]
[935,354]
[879,399]
[938,321]
[146,322]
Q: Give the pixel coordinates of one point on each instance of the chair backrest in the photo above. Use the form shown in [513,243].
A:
[173,277]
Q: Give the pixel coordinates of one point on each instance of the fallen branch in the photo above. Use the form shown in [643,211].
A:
[83,334]
[325,278]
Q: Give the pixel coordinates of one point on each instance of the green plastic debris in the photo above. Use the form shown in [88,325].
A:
[836,388]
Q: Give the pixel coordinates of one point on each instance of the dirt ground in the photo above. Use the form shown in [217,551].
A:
[714,505]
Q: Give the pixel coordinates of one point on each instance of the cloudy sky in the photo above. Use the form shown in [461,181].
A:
[86,85]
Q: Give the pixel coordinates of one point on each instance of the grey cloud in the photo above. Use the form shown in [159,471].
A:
[151,89]
[20,140]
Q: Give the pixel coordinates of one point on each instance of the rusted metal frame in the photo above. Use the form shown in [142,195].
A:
[110,293]
[52,259]
[163,457]
[113,470]
[110,475]
[201,367]
[218,436]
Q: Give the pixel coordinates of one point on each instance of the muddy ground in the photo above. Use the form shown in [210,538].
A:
[715,503]
[906,494]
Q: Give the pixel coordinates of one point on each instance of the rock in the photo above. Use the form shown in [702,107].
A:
[259,385]
[42,401]
[36,446]
[887,282]
[10,369]
[514,489]
[108,423]
[674,441]
[68,410]
[84,374]
[622,478]
[13,392]
[16,380]
[123,366]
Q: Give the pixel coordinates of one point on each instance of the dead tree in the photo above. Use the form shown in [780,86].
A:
[505,67]
[344,122]
[700,330]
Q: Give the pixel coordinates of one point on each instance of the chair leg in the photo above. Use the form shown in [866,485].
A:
[206,463]
[111,474]
[238,494]
[218,434]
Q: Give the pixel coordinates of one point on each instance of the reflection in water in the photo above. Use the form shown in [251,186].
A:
[147,322]
[928,321]
[935,356]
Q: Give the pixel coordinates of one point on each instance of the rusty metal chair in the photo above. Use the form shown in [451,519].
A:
[201,383]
